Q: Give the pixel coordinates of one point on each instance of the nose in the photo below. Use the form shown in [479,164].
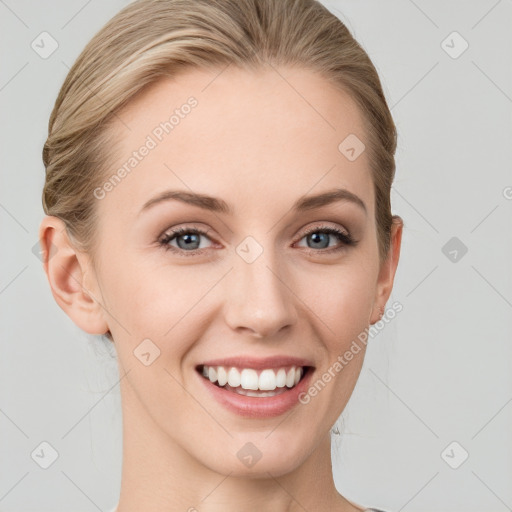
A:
[259,298]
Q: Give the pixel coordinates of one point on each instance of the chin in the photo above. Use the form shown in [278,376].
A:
[255,455]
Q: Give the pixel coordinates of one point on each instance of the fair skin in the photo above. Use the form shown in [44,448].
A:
[254,142]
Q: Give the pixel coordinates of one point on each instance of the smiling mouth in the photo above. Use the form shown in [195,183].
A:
[257,383]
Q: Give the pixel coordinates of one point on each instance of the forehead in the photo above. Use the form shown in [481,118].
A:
[239,134]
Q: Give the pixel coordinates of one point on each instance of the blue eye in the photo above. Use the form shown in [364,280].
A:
[188,240]
[325,233]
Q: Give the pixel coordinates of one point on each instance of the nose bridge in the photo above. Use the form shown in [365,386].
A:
[258,299]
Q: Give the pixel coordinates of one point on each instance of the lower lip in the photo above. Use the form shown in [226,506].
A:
[258,407]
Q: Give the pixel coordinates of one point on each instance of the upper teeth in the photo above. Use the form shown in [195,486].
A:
[248,378]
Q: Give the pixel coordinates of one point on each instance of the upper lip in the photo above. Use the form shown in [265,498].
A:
[258,363]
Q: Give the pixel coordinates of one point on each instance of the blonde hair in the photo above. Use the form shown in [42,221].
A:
[150,39]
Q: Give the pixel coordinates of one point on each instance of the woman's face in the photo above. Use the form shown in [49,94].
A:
[260,278]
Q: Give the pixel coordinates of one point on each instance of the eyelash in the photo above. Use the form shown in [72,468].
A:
[345,239]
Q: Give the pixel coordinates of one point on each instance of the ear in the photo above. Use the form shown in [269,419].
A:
[388,270]
[66,269]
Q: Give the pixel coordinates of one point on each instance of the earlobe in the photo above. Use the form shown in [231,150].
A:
[66,268]
[376,314]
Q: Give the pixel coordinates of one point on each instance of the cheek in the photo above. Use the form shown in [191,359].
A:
[170,303]
[341,300]
[161,303]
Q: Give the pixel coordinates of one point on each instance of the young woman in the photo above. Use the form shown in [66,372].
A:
[217,193]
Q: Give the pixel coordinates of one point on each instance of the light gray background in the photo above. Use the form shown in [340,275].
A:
[439,372]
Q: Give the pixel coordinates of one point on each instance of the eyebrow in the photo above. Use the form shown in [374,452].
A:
[220,206]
